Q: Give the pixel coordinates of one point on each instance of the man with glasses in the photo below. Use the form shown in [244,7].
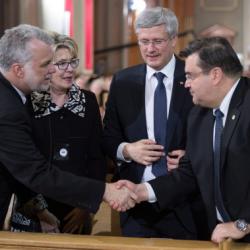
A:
[145,123]
[218,145]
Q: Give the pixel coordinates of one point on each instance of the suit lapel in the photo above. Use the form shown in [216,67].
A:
[201,143]
[232,119]
[177,99]
[139,128]
[139,100]
[207,146]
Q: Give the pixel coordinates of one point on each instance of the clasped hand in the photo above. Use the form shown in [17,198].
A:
[119,198]
[123,195]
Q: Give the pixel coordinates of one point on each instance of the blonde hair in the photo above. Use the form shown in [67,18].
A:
[63,41]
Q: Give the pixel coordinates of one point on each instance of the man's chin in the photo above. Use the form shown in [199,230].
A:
[44,87]
[154,65]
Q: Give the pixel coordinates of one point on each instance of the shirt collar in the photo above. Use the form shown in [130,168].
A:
[224,106]
[20,93]
[167,70]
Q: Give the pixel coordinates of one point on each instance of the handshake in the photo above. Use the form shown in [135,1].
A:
[123,195]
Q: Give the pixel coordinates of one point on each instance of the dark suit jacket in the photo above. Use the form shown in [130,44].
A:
[125,118]
[22,165]
[196,168]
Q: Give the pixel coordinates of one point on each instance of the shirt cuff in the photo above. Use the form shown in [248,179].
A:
[151,194]
[119,154]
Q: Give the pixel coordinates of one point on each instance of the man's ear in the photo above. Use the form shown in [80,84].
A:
[174,41]
[18,70]
[217,74]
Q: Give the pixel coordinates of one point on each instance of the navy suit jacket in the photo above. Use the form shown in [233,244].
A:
[196,168]
[125,117]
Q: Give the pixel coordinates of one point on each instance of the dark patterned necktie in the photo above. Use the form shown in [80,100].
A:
[217,147]
[160,123]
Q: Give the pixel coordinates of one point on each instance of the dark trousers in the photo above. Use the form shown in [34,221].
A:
[145,221]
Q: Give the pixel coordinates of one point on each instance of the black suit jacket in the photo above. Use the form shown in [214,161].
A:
[125,120]
[80,136]
[22,165]
[196,168]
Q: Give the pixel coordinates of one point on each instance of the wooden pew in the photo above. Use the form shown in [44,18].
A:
[39,241]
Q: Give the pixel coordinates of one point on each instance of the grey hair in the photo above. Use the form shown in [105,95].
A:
[63,41]
[151,17]
[13,44]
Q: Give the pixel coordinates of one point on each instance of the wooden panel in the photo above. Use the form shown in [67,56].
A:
[9,14]
[184,11]
[134,55]
[40,241]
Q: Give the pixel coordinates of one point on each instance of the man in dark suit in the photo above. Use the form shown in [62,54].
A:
[130,121]
[26,65]
[218,147]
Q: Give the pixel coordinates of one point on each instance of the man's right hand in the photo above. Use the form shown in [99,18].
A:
[145,151]
[140,190]
[120,199]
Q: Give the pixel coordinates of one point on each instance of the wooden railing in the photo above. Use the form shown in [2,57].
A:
[38,241]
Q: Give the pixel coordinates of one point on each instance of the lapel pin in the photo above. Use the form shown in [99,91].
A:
[233,117]
[181,83]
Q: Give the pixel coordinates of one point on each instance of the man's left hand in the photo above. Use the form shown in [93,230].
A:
[226,230]
[173,158]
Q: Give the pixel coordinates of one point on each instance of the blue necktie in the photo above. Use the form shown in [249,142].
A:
[217,146]
[160,123]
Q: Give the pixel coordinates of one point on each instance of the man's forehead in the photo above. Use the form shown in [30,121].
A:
[34,43]
[191,61]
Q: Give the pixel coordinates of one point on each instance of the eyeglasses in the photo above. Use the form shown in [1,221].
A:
[155,42]
[192,76]
[63,65]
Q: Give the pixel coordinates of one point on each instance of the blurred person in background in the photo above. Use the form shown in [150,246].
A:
[228,33]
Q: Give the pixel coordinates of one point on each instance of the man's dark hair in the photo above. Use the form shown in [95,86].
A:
[214,52]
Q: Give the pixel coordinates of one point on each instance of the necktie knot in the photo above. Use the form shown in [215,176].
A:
[218,113]
[159,76]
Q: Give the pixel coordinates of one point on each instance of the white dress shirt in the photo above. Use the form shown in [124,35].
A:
[150,86]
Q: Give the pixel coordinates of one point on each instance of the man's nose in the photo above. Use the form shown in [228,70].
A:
[52,68]
[151,46]
[187,84]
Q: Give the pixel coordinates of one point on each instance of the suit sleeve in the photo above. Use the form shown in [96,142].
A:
[97,168]
[175,187]
[24,163]
[113,134]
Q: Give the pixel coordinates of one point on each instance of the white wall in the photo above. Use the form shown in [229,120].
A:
[53,16]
